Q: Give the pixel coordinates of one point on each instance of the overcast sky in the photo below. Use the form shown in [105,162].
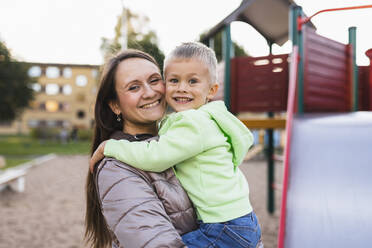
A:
[70,31]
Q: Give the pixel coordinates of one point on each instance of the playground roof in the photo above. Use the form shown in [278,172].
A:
[268,17]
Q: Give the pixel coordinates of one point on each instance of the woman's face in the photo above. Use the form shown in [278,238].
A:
[140,90]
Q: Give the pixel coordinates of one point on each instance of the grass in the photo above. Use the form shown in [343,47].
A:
[19,149]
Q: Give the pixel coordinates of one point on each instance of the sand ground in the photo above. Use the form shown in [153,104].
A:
[50,213]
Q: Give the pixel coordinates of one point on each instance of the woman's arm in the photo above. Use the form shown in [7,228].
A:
[132,209]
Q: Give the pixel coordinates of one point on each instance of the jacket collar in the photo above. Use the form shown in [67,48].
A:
[118,135]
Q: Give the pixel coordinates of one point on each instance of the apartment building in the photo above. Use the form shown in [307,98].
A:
[64,98]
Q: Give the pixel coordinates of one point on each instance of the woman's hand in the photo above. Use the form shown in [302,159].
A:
[97,156]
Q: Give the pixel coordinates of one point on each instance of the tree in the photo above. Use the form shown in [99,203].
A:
[238,50]
[139,37]
[15,86]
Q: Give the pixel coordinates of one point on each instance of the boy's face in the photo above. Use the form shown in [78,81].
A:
[188,84]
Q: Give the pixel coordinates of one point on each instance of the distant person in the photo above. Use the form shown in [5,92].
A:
[128,207]
[206,143]
[74,134]
[63,135]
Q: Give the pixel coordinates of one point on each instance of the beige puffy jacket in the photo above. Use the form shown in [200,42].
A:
[143,209]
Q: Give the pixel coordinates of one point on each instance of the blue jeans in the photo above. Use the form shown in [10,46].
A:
[240,232]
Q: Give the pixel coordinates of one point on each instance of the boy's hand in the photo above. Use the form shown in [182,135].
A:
[97,156]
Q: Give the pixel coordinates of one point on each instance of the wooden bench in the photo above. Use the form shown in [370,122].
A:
[14,178]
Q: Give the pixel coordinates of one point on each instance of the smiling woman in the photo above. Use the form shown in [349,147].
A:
[140,91]
[127,207]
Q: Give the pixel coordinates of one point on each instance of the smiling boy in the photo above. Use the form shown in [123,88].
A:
[205,143]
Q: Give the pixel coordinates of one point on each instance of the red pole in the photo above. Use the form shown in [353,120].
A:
[291,105]
[307,19]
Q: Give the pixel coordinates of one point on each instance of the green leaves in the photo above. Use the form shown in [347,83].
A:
[139,36]
[15,86]
[238,50]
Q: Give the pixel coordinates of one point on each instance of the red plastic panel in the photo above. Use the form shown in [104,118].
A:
[364,91]
[369,55]
[326,74]
[259,84]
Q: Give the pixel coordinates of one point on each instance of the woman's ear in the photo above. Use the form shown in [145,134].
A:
[212,91]
[114,107]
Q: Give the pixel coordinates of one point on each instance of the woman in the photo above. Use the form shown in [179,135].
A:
[127,207]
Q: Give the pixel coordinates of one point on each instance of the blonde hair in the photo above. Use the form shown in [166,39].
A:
[195,50]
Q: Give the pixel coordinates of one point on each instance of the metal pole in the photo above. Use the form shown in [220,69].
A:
[270,161]
[211,43]
[354,71]
[226,53]
[297,39]
[123,30]
[270,168]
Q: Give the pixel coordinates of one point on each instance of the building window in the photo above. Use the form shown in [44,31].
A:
[42,106]
[34,105]
[32,123]
[67,89]
[52,106]
[36,87]
[42,123]
[63,106]
[34,71]
[80,114]
[81,80]
[52,72]
[66,123]
[51,123]
[66,106]
[52,89]
[94,73]
[80,97]
[5,123]
[59,123]
[67,72]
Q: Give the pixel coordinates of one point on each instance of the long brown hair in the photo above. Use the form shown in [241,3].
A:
[96,229]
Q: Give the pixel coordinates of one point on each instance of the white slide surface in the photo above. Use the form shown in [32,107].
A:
[329,197]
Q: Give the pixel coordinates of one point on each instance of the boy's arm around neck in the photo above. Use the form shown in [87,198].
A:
[182,140]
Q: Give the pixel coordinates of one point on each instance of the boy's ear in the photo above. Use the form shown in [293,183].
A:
[114,107]
[212,91]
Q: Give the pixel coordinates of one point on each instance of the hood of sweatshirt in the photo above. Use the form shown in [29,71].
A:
[238,135]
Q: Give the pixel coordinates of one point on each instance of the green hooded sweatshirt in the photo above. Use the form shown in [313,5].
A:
[206,146]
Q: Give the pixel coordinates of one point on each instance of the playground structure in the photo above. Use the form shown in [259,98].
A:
[328,101]
[238,71]
[326,187]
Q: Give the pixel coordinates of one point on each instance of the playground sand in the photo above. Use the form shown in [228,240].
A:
[50,213]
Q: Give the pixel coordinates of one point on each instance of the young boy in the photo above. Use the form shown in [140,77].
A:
[206,143]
